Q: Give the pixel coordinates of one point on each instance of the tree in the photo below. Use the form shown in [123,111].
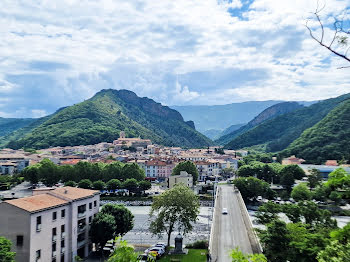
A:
[296,171]
[48,172]
[275,241]
[268,212]
[335,196]
[238,256]
[144,185]
[340,35]
[287,180]
[301,192]
[342,234]
[66,173]
[70,183]
[103,228]
[293,212]
[315,178]
[130,171]
[228,172]
[251,187]
[176,207]
[31,174]
[112,171]
[315,216]
[321,193]
[187,166]
[114,184]
[339,179]
[98,185]
[85,183]
[123,218]
[131,185]
[335,252]
[5,250]
[123,252]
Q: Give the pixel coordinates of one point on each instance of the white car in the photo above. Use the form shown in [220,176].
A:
[160,251]
[162,245]
[224,211]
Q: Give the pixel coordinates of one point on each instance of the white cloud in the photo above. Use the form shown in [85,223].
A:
[65,51]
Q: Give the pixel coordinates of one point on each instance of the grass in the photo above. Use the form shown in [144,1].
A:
[194,255]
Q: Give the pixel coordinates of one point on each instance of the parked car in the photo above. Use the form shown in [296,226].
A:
[160,251]
[224,211]
[162,245]
[145,258]
[259,198]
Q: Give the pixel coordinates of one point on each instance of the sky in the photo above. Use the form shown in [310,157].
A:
[56,53]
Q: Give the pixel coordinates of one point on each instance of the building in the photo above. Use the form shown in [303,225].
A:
[184,178]
[19,161]
[122,142]
[51,225]
[292,160]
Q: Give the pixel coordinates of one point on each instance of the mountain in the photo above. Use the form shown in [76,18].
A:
[328,139]
[8,125]
[219,117]
[269,113]
[279,132]
[103,116]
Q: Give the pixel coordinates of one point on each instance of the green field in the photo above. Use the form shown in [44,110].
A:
[194,255]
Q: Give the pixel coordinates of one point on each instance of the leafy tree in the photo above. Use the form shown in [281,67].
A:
[123,252]
[48,172]
[342,234]
[66,173]
[85,183]
[114,184]
[31,174]
[98,185]
[103,228]
[187,166]
[251,187]
[314,178]
[176,207]
[335,252]
[287,180]
[293,212]
[131,185]
[5,250]
[268,212]
[301,192]
[275,241]
[238,256]
[335,196]
[123,217]
[315,216]
[133,171]
[339,179]
[321,193]
[112,171]
[296,171]
[70,183]
[228,172]
[144,185]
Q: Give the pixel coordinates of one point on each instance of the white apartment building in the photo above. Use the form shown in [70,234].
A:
[184,178]
[50,226]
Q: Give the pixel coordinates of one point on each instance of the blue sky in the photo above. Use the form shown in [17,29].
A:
[55,53]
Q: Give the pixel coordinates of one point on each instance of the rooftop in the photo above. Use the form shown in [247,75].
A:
[73,193]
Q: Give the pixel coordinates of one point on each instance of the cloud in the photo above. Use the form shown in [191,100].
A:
[57,53]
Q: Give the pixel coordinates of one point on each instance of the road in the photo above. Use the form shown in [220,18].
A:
[229,230]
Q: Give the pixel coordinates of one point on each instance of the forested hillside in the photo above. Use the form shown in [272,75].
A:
[281,131]
[269,113]
[328,139]
[8,125]
[102,117]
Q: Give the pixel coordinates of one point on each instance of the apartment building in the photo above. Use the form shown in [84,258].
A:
[184,178]
[50,226]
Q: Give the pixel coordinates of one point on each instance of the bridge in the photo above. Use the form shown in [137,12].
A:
[232,230]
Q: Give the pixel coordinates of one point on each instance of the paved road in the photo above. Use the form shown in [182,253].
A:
[229,230]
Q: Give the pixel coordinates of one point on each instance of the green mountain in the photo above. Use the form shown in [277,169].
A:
[279,132]
[102,117]
[8,125]
[328,139]
[269,113]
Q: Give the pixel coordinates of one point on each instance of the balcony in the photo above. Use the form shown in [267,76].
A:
[82,214]
[54,254]
[63,235]
[54,238]
[81,229]
[38,228]
[63,250]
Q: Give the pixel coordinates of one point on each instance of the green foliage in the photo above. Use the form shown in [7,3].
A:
[123,252]
[335,196]
[98,185]
[175,208]
[314,178]
[268,172]
[102,229]
[328,139]
[287,180]
[48,172]
[251,187]
[144,185]
[281,131]
[70,183]
[187,166]
[335,252]
[238,256]
[199,244]
[85,183]
[131,185]
[31,174]
[123,218]
[114,184]
[339,179]
[294,170]
[268,212]
[301,192]
[342,235]
[5,250]
[101,118]
[321,193]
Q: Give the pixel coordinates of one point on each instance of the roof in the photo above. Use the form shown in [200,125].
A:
[37,203]
[73,193]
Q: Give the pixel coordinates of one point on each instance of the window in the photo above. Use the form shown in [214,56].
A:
[62,243]
[38,223]
[95,203]
[54,234]
[19,241]
[62,258]
[38,254]
[63,229]
[54,215]
[63,213]
[90,205]
[90,219]
[53,247]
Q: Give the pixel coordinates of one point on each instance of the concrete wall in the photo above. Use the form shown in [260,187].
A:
[15,221]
